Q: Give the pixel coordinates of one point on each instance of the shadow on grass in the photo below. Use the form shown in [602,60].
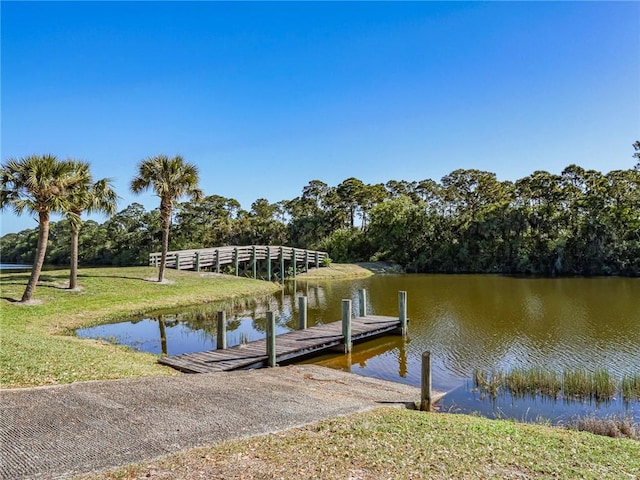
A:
[11,299]
[121,277]
[25,278]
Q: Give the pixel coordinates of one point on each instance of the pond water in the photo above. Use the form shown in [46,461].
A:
[14,266]
[467,322]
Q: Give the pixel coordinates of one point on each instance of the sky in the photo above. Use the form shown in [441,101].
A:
[264,97]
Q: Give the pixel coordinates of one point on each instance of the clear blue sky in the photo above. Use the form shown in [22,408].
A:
[264,97]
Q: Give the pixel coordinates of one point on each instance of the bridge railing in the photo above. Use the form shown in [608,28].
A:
[240,257]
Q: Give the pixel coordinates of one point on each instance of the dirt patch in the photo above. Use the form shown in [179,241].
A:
[163,282]
[29,303]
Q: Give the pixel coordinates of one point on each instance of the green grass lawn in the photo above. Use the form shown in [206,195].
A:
[402,444]
[37,346]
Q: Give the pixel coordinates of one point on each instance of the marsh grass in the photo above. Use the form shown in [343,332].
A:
[630,386]
[488,382]
[614,426]
[580,384]
[521,382]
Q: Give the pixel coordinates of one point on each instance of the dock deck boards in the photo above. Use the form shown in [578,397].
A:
[290,345]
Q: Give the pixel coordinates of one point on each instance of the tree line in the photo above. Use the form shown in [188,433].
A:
[578,222]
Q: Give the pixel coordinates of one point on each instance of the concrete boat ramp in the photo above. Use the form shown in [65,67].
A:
[62,431]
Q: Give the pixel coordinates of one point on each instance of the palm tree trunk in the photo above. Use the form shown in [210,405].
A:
[73,277]
[165,249]
[41,250]
[165,213]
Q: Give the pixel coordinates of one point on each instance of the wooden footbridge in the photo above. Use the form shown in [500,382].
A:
[267,262]
[296,344]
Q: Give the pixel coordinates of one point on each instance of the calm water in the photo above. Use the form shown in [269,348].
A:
[466,321]
[14,266]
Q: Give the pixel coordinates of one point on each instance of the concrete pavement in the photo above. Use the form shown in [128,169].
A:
[61,431]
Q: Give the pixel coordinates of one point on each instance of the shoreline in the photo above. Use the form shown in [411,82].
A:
[339,271]
[34,334]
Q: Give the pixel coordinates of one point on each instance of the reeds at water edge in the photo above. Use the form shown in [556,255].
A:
[630,387]
[579,384]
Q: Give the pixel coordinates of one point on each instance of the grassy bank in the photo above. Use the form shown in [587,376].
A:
[337,271]
[399,444]
[37,346]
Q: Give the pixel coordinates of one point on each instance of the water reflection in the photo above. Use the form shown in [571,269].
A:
[465,399]
[466,321]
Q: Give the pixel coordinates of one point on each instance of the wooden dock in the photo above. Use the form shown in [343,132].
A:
[289,346]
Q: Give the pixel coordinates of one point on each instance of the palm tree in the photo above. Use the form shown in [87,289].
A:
[37,184]
[90,198]
[171,179]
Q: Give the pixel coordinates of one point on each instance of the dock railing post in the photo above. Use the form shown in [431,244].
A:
[346,325]
[271,340]
[302,313]
[221,343]
[197,261]
[282,275]
[362,298]
[402,311]
[293,257]
[425,396]
[254,261]
[235,255]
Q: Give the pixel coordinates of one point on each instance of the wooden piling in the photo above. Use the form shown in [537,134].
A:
[221,341]
[402,311]
[302,313]
[425,396]
[346,325]
[236,260]
[271,340]
[197,261]
[362,298]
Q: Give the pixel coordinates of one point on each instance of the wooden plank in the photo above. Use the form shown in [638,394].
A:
[289,346]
